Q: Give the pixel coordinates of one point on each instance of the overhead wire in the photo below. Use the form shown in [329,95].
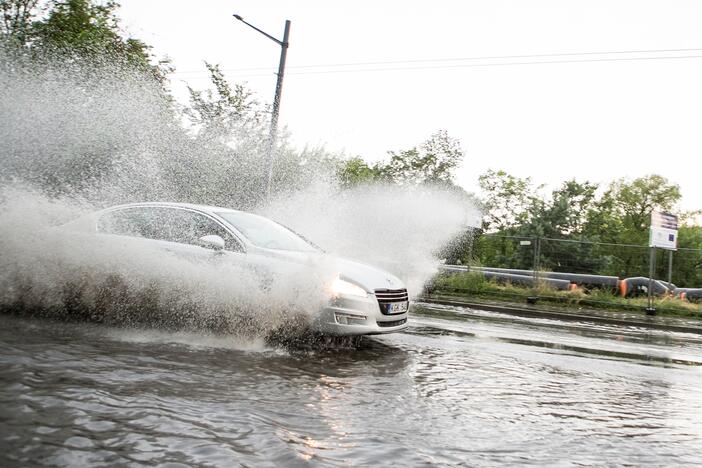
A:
[470,65]
[436,63]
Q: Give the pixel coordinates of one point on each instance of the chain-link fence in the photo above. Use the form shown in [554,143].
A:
[578,272]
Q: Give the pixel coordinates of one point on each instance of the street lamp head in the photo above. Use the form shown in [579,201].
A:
[238,17]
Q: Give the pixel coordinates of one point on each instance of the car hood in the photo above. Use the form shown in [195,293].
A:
[368,277]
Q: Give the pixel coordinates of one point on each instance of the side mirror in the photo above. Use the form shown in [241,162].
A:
[213,242]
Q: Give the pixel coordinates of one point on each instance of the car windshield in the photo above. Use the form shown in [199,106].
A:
[262,232]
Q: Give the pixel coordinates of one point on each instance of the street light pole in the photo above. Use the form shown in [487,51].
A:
[276,99]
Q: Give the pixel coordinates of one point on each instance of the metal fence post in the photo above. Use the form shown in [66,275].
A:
[650,310]
[535,262]
[535,267]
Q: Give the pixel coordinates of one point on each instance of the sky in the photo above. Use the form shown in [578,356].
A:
[366,77]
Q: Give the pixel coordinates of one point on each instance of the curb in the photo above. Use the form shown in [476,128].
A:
[564,316]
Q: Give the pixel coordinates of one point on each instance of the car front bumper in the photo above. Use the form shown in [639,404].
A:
[348,316]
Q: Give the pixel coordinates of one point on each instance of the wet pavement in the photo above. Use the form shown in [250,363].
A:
[458,387]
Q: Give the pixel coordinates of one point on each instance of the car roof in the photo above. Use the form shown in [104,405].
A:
[208,209]
[204,208]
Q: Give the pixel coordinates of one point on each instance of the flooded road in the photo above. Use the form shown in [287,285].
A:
[477,389]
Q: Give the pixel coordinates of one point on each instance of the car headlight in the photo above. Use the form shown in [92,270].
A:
[341,287]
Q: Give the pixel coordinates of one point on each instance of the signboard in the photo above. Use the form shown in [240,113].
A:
[664,231]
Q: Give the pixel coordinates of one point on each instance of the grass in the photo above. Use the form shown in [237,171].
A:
[476,286]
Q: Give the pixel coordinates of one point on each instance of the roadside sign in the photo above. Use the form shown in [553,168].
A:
[664,231]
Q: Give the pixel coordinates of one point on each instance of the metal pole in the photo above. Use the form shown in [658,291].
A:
[670,266]
[535,297]
[536,260]
[276,99]
[651,260]
[276,106]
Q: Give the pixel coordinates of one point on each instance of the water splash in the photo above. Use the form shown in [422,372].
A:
[400,229]
[76,140]
[50,271]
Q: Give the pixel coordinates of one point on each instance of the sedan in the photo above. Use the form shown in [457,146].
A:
[362,299]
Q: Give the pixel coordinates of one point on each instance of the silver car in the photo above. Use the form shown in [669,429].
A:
[363,300]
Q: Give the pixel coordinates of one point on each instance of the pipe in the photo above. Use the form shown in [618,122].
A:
[577,278]
[689,294]
[627,287]
[558,284]
[639,285]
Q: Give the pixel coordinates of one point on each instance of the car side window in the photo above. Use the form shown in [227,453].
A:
[131,222]
[168,224]
[187,227]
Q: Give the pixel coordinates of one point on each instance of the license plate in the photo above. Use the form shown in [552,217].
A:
[397,307]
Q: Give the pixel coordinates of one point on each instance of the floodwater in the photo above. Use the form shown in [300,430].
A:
[457,388]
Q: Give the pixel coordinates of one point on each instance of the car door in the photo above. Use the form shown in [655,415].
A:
[173,229]
[183,229]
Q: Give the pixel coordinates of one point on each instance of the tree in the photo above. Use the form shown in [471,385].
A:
[623,213]
[506,200]
[356,171]
[564,214]
[112,125]
[80,31]
[573,211]
[636,200]
[432,162]
[224,112]
[687,263]
[231,135]
[17,16]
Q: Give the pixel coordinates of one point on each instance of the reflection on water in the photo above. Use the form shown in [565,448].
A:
[473,391]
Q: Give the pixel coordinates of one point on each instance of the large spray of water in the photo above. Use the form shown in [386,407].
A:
[75,140]
[396,228]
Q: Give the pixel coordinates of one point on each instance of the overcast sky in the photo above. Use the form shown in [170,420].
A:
[588,117]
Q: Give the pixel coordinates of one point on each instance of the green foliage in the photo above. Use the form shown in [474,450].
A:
[432,162]
[224,112]
[17,18]
[78,30]
[563,215]
[474,282]
[502,252]
[688,263]
[623,213]
[636,200]
[470,284]
[115,125]
[81,27]
[584,220]
[623,216]
[566,212]
[356,171]
[506,200]
[230,133]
